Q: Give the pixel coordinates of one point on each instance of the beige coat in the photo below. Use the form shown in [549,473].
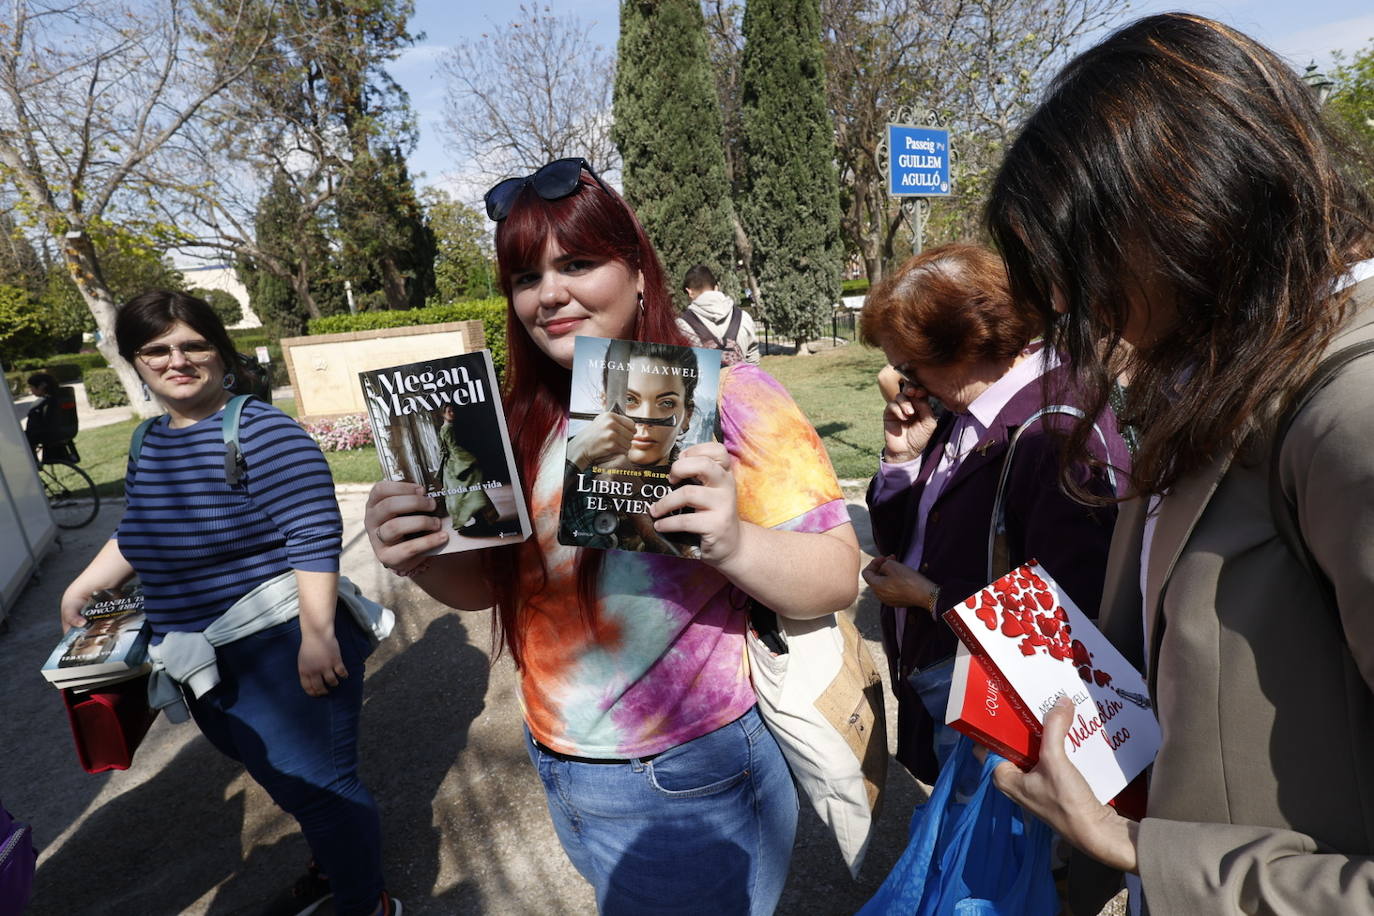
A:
[1262,797]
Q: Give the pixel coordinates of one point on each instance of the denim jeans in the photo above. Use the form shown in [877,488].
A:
[705,827]
[932,684]
[303,750]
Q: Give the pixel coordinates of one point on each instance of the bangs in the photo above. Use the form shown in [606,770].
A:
[588,221]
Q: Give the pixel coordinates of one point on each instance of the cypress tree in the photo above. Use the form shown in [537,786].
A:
[668,130]
[790,198]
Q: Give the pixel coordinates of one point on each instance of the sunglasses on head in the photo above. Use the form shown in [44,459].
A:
[554,181]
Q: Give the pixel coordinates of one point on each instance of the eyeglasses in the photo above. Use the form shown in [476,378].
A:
[158,356]
[554,181]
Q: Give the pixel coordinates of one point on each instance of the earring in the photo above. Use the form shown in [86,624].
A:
[147,394]
[230,380]
[640,302]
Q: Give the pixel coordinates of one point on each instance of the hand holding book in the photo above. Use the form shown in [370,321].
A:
[1056,792]
[708,490]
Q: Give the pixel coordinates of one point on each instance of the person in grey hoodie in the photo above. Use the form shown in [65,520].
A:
[715,313]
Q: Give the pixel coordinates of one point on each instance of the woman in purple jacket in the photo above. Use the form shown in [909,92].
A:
[951,334]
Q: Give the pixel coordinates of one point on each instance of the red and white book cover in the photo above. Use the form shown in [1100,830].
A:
[980,708]
[1029,635]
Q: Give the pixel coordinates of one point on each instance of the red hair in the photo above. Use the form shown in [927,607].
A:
[590,221]
[947,305]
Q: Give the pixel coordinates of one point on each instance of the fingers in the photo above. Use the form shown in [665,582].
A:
[1057,724]
[397,526]
[708,463]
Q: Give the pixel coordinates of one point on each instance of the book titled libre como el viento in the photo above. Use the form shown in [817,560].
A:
[111,647]
[635,407]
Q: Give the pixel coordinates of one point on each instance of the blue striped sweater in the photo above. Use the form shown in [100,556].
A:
[197,543]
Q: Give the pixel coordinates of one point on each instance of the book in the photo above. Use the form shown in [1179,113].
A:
[980,708]
[439,423]
[634,407]
[112,646]
[1028,635]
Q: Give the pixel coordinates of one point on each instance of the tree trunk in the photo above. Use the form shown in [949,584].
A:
[746,254]
[395,286]
[84,266]
[300,285]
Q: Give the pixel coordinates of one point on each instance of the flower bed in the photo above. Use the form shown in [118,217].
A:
[341,434]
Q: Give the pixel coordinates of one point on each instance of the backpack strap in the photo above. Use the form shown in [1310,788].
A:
[999,551]
[1284,513]
[136,443]
[234,464]
[702,331]
[732,332]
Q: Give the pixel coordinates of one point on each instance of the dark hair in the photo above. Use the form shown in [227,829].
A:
[622,351]
[945,306]
[45,382]
[1183,166]
[592,221]
[699,277]
[151,313]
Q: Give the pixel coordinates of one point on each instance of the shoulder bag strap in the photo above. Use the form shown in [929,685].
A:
[703,332]
[1284,513]
[999,551]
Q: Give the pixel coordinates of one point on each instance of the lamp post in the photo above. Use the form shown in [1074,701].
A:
[1318,83]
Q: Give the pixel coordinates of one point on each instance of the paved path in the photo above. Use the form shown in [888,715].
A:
[185,831]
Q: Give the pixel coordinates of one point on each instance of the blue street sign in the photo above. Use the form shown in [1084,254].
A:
[917,161]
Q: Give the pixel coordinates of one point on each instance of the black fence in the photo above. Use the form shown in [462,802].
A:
[843,326]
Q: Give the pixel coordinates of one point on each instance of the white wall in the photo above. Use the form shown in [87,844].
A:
[27,529]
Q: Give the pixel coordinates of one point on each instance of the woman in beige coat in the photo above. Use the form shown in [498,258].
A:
[1177,210]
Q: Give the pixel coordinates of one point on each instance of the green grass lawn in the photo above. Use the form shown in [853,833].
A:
[835,390]
[105,453]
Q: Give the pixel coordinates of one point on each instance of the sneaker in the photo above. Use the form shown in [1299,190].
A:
[302,898]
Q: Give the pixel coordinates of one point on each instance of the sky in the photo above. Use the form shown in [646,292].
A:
[1300,31]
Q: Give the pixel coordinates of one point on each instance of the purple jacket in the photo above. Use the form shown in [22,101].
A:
[1043,523]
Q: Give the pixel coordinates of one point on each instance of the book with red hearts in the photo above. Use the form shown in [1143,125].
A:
[1029,644]
[635,406]
[439,423]
[112,646]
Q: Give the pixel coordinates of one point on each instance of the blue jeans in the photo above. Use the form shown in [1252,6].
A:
[303,750]
[705,827]
[933,684]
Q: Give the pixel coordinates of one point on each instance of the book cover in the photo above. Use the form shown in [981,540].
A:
[439,423]
[634,407]
[1027,632]
[112,645]
[980,708]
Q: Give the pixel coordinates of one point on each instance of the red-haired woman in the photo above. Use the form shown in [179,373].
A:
[667,792]
[949,329]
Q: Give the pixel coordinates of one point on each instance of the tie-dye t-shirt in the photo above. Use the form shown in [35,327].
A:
[665,663]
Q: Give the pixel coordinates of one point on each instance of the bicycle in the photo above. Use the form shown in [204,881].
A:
[71,493]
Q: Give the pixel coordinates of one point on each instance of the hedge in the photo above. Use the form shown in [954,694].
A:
[66,369]
[491,312]
[103,389]
[854,287]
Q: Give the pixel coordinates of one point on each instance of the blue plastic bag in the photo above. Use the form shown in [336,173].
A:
[983,856]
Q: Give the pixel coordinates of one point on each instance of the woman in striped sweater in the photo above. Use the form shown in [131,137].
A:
[289,694]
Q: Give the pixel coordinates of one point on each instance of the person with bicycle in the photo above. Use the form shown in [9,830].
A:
[44,426]
[206,543]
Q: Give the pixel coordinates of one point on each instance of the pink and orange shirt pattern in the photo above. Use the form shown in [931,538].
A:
[664,662]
